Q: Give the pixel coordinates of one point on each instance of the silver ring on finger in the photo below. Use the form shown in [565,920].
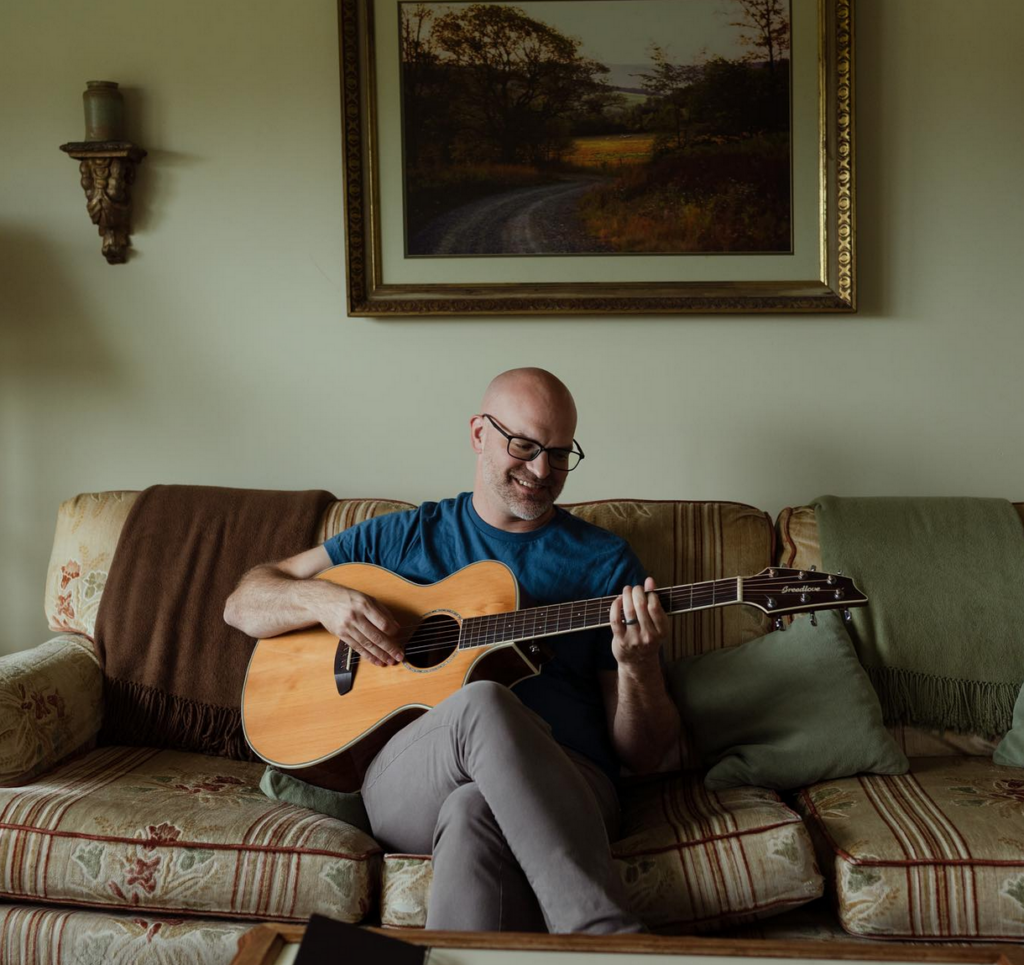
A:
[630,623]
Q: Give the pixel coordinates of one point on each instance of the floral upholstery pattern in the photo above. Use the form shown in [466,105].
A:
[936,853]
[690,859]
[166,832]
[51,703]
[83,546]
[405,890]
[34,935]
[798,546]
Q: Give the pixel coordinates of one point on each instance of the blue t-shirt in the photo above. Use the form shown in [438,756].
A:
[566,559]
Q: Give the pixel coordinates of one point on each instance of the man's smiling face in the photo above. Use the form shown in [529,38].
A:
[511,493]
[528,490]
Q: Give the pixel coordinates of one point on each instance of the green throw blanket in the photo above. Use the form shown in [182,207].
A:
[942,639]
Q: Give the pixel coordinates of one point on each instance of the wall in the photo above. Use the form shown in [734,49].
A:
[221,353]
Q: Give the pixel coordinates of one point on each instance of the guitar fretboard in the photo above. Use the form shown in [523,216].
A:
[549,621]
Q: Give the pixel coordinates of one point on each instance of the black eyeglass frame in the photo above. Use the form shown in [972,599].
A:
[578,451]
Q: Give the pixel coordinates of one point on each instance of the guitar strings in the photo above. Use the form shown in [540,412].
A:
[707,594]
[675,595]
[586,607]
[449,636]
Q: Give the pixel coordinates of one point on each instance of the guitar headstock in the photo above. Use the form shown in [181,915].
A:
[778,590]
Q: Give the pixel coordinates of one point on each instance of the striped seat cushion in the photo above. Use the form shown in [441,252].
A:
[166,832]
[691,859]
[936,853]
[34,935]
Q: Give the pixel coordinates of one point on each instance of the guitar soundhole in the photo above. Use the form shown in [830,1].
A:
[434,641]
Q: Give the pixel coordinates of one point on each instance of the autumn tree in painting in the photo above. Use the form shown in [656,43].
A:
[765,28]
[509,82]
[668,84]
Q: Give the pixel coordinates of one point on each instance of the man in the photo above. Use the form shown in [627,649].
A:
[513,793]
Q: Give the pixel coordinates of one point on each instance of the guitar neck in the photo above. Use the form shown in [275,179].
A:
[559,618]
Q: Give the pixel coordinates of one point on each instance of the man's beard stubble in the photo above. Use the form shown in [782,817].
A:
[522,504]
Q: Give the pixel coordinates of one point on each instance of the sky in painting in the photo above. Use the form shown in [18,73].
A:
[622,31]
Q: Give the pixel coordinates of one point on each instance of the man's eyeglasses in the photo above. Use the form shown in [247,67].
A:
[564,460]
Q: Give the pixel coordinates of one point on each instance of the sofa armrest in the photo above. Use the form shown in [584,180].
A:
[51,703]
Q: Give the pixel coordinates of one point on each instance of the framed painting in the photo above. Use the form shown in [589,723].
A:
[545,157]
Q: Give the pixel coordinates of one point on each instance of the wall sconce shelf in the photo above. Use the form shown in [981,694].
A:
[108,170]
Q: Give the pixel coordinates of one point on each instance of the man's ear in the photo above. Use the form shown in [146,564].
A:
[476,434]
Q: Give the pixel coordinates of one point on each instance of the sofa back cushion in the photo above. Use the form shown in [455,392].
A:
[683,542]
[88,527]
[799,546]
[679,542]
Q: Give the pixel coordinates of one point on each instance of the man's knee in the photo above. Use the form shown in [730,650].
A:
[466,815]
[485,698]
[493,705]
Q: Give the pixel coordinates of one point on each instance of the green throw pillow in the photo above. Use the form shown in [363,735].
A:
[1010,750]
[281,786]
[785,710]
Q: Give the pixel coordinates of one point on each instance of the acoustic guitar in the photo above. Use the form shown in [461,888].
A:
[312,707]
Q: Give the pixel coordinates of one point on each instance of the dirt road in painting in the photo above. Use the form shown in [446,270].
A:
[526,221]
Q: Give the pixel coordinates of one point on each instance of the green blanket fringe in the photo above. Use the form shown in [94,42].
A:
[926,700]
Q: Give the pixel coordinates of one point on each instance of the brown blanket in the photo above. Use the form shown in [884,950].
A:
[173,668]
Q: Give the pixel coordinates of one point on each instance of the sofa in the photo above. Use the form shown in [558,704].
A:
[116,852]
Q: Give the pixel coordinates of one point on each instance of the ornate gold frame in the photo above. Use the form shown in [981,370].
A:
[834,290]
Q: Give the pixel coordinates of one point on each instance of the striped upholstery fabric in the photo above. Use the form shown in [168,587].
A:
[936,853]
[347,512]
[691,860]
[34,935]
[689,542]
[166,832]
[798,546]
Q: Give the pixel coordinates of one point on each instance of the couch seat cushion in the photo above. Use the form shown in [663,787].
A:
[169,832]
[690,859]
[693,858]
[35,935]
[935,853]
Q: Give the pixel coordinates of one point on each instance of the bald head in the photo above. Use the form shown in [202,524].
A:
[537,390]
[519,494]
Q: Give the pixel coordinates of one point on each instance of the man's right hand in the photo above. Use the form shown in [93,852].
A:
[365,625]
[278,597]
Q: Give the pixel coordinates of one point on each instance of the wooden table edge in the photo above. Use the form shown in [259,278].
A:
[262,944]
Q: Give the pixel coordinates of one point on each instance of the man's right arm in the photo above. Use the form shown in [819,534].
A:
[277,597]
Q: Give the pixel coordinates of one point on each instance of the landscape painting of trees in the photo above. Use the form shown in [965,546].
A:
[548,127]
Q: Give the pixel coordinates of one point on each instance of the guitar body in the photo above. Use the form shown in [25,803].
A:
[294,713]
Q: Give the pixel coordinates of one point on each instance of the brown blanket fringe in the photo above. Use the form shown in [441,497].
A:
[158,719]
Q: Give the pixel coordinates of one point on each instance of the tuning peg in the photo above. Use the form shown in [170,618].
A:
[779,624]
[813,568]
[847,616]
[814,619]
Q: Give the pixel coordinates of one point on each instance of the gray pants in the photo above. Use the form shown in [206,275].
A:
[518,830]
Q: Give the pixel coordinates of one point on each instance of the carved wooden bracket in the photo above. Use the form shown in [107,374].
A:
[108,170]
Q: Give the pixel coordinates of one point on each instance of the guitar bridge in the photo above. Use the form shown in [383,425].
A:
[342,674]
